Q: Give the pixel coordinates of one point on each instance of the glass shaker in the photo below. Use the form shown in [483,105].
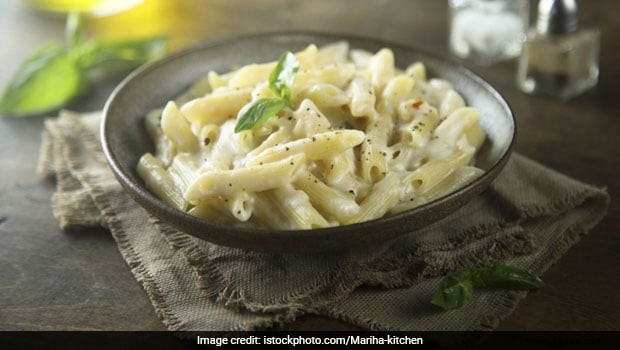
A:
[559,59]
[488,31]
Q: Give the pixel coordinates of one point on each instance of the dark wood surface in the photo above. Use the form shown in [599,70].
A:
[54,280]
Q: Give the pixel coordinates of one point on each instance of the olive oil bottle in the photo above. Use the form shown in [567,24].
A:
[91,7]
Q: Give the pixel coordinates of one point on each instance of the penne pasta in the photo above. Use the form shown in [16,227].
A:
[286,208]
[385,194]
[218,106]
[177,129]
[317,147]
[363,98]
[156,178]
[325,136]
[227,182]
[329,201]
[240,205]
[457,179]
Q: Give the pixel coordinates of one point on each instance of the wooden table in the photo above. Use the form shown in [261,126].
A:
[53,280]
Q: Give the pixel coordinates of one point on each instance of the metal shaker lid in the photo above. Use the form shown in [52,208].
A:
[557,16]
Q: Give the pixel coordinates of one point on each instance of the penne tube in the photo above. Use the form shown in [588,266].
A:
[177,129]
[457,123]
[268,212]
[362,96]
[396,90]
[374,151]
[319,146]
[163,147]
[158,181]
[373,162]
[361,58]
[383,196]
[457,179]
[213,209]
[217,81]
[252,179]
[475,135]
[418,131]
[338,74]
[218,106]
[209,135]
[381,67]
[450,103]
[432,173]
[307,56]
[417,70]
[329,202]
[241,205]
[403,156]
[278,137]
[341,174]
[332,53]
[325,95]
[250,75]
[309,120]
[286,208]
[339,165]
[183,171]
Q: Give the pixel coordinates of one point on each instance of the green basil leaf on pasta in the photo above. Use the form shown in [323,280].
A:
[46,80]
[283,75]
[256,113]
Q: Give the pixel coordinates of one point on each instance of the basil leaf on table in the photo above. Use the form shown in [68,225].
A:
[46,80]
[55,74]
[505,277]
[120,54]
[256,113]
[456,288]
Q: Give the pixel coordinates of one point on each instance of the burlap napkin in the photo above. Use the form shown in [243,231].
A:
[529,217]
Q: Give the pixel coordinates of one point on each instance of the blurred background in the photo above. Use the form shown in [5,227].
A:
[25,24]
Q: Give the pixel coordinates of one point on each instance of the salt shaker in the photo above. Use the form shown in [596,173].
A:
[488,31]
[559,59]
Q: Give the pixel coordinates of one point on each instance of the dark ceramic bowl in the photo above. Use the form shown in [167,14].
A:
[125,140]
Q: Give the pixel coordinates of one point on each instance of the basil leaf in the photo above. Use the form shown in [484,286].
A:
[281,81]
[256,113]
[53,75]
[120,54]
[455,290]
[45,81]
[506,277]
[283,75]
[74,34]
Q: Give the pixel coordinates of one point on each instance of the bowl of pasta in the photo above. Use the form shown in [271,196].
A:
[304,142]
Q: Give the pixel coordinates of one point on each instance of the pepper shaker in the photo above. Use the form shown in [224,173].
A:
[558,58]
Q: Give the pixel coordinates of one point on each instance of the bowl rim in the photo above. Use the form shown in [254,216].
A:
[146,199]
